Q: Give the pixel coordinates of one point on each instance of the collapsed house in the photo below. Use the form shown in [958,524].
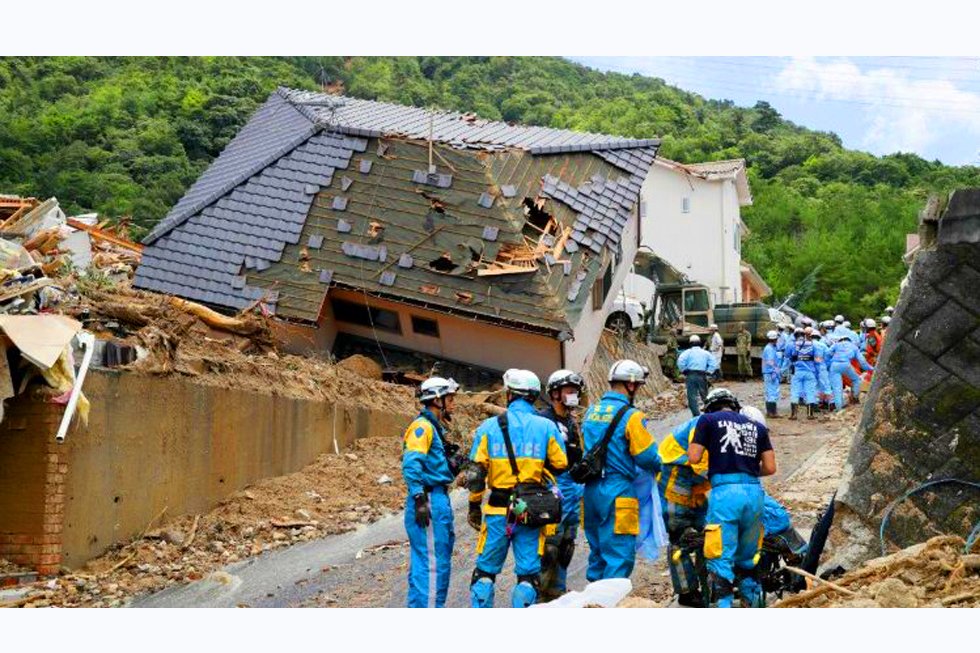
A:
[914,465]
[476,242]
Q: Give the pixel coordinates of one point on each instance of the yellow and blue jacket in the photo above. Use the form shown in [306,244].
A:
[679,481]
[631,446]
[424,463]
[538,448]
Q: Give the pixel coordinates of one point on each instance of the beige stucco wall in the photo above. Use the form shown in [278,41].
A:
[460,339]
[155,442]
[579,352]
[700,243]
[304,339]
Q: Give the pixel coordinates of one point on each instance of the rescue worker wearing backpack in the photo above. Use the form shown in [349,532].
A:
[564,390]
[427,472]
[612,510]
[535,449]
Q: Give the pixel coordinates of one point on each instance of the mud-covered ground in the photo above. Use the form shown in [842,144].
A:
[351,491]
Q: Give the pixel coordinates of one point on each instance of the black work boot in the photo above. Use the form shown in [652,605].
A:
[691,599]
[811,411]
[793,408]
[771,409]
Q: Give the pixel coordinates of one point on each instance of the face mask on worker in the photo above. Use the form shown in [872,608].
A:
[570,400]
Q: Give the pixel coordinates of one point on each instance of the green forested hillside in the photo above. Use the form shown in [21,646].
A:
[126,136]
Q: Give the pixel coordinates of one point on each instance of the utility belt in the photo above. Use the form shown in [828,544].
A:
[696,372]
[437,489]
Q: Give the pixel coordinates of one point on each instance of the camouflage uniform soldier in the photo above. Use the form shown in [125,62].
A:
[743,344]
[670,357]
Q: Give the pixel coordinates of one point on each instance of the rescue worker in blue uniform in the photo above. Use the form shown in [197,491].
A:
[770,373]
[841,354]
[739,452]
[564,390]
[684,504]
[822,351]
[696,365]
[612,509]
[538,450]
[786,340]
[803,385]
[427,472]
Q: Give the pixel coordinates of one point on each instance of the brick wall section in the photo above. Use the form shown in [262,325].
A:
[33,471]
[922,419]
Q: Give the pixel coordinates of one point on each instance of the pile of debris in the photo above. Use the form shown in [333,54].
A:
[33,232]
[934,574]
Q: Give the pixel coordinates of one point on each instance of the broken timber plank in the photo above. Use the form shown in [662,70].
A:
[99,234]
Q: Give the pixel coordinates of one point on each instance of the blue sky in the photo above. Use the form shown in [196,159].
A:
[926,105]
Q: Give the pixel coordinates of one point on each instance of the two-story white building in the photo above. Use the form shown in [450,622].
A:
[691,217]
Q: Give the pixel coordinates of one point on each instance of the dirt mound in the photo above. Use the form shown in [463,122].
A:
[933,574]
[362,366]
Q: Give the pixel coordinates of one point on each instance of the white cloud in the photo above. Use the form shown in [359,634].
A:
[902,109]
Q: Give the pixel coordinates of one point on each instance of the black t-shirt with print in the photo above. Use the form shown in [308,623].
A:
[733,441]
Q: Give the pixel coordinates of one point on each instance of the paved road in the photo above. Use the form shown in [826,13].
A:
[367,567]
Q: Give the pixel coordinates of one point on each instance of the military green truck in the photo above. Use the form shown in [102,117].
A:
[678,302]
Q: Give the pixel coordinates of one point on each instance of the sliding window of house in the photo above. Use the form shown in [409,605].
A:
[362,315]
[425,327]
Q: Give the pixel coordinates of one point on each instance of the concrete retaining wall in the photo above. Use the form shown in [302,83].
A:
[155,442]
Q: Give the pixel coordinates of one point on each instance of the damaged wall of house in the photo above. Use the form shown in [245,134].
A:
[921,421]
[187,447]
[580,352]
[450,337]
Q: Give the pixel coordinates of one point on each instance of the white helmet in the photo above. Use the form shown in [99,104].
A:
[562,378]
[627,371]
[838,319]
[694,340]
[847,324]
[436,387]
[772,335]
[713,327]
[886,320]
[754,414]
[889,309]
[522,382]
[870,324]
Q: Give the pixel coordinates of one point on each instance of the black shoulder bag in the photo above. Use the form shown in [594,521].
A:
[531,504]
[590,467]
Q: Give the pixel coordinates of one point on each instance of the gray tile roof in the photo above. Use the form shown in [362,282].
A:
[603,205]
[275,129]
[200,257]
[368,118]
[254,200]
